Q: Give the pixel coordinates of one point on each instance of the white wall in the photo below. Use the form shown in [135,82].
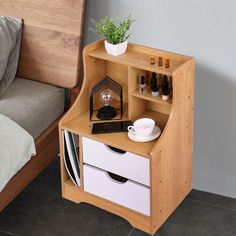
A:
[207,31]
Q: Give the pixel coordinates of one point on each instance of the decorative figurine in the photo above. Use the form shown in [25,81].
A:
[165,88]
[107,88]
[154,85]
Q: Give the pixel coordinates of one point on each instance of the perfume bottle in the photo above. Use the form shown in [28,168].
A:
[154,85]
[142,85]
[165,88]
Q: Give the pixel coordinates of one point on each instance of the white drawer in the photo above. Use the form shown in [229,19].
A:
[129,194]
[129,165]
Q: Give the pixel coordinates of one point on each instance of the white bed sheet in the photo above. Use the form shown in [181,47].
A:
[16,149]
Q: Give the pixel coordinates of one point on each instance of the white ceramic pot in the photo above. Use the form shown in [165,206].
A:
[116,49]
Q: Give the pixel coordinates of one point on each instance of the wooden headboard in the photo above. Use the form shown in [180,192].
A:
[52,39]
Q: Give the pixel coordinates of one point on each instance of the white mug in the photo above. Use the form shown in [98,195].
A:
[142,127]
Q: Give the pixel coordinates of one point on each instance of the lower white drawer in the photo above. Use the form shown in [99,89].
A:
[129,194]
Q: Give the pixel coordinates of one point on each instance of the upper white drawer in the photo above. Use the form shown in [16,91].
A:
[128,165]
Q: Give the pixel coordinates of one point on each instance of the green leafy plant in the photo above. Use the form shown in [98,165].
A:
[113,33]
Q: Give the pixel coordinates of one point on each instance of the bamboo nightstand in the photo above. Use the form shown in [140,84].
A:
[159,172]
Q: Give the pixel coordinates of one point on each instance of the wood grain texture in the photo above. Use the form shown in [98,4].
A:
[51,40]
[170,154]
[50,53]
[171,166]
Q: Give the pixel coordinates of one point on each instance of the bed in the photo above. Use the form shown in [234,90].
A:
[49,69]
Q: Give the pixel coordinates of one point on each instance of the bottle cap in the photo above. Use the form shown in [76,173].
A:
[155,93]
[165,97]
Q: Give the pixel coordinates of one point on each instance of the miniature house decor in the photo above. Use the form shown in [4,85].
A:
[108,92]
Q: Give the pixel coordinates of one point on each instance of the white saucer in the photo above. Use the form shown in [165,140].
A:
[155,134]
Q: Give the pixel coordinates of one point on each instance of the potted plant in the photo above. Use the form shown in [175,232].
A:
[115,35]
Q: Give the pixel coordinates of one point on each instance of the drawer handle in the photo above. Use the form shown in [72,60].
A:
[114,149]
[117,178]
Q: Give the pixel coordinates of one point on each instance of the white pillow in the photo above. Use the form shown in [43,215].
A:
[10,39]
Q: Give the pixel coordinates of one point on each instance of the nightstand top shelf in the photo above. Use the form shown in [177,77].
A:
[134,57]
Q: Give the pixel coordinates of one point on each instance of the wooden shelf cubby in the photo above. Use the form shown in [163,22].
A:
[149,97]
[169,156]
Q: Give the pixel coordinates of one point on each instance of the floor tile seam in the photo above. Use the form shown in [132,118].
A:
[9,233]
[217,195]
[214,205]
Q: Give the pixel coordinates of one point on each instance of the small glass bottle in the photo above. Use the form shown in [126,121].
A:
[154,85]
[165,88]
[142,85]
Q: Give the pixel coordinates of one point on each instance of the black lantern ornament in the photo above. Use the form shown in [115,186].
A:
[106,87]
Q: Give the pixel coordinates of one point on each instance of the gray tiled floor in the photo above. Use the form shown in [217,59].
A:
[39,210]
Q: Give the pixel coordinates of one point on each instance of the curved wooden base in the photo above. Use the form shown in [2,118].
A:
[137,220]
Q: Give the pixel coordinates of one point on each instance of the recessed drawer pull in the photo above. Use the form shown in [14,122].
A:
[117,161]
[116,150]
[117,178]
[129,194]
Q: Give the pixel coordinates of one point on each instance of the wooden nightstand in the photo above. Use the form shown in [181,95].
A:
[159,172]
